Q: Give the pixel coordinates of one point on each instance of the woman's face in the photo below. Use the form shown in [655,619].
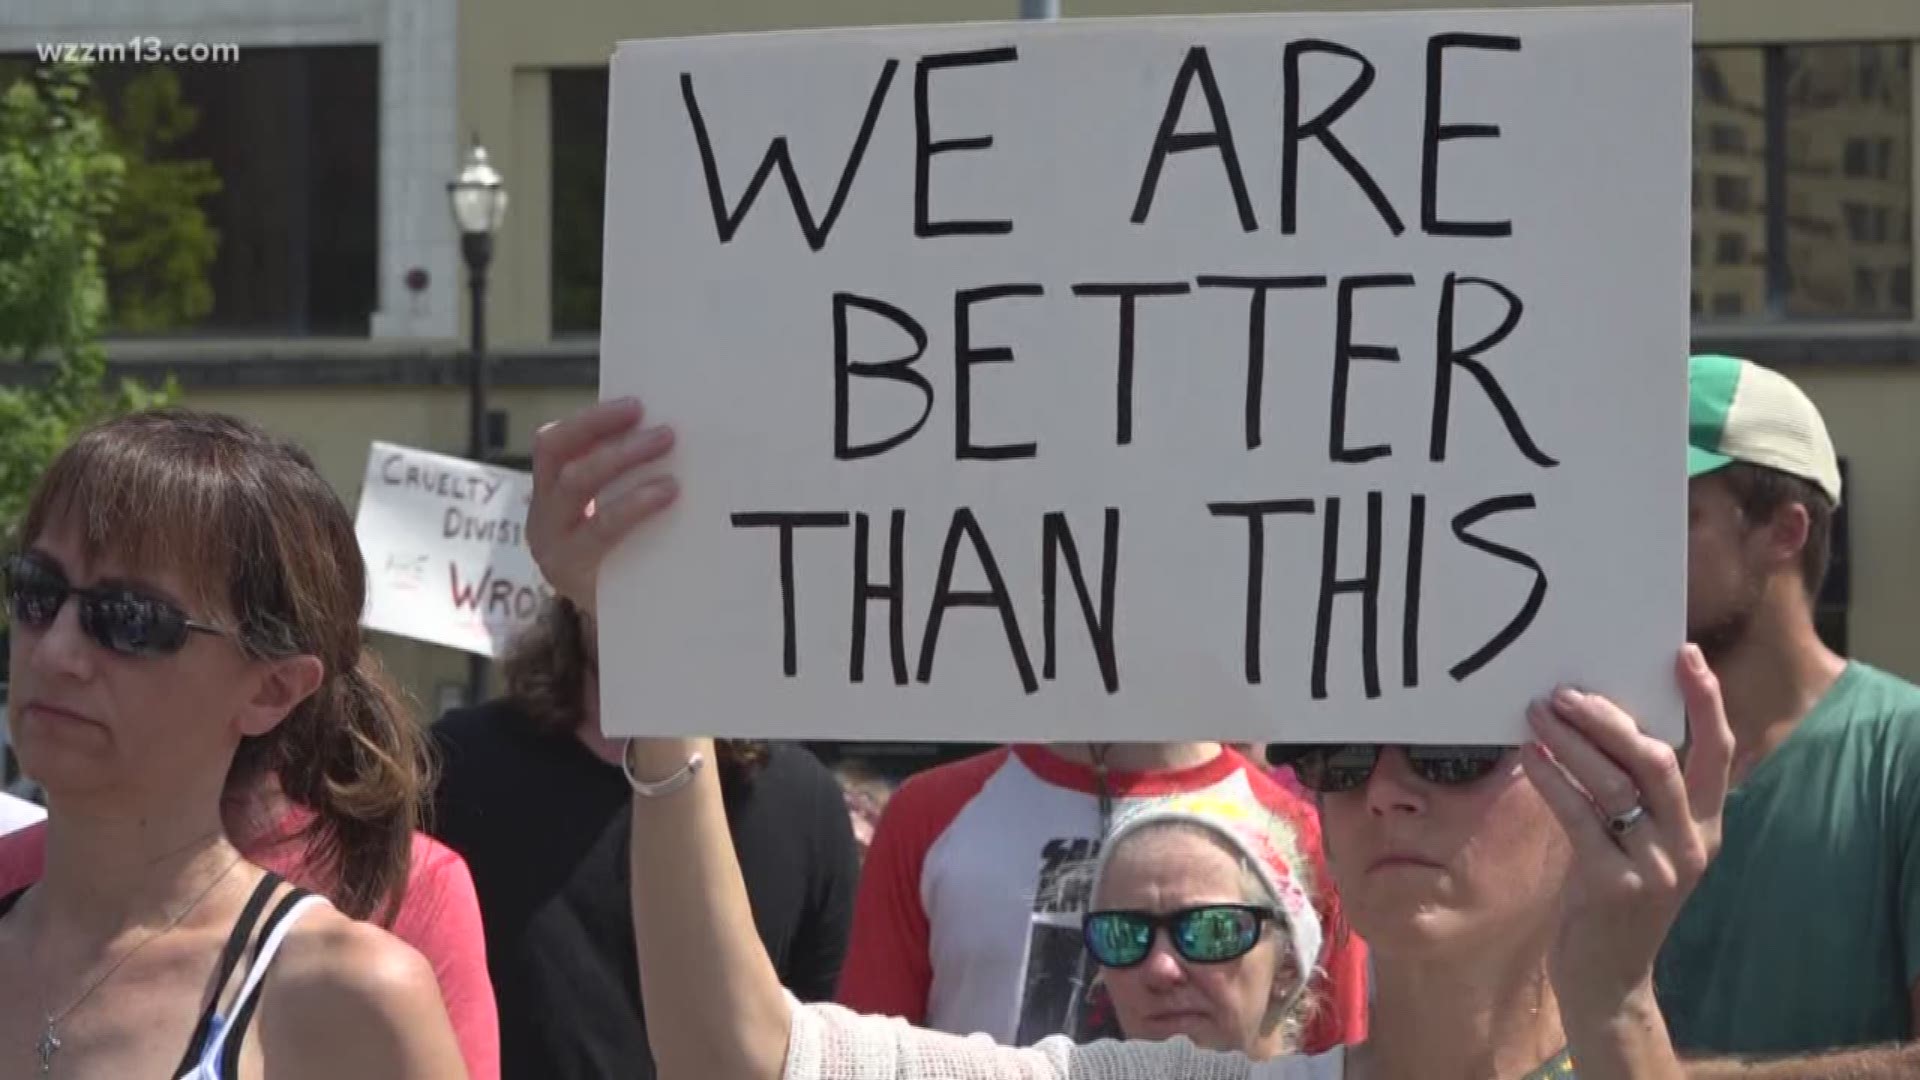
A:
[87,721]
[1220,1006]
[1425,868]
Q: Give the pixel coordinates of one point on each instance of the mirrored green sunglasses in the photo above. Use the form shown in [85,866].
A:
[1204,934]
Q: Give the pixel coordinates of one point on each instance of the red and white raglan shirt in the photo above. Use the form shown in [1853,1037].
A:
[968,914]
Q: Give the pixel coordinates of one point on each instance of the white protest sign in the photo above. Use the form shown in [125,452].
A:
[1282,377]
[445,544]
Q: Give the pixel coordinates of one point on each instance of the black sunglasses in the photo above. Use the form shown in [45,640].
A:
[118,618]
[1336,768]
[1206,934]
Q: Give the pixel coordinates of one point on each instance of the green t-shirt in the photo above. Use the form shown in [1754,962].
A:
[1805,932]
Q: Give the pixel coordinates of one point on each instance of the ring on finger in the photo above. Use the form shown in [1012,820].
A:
[1626,821]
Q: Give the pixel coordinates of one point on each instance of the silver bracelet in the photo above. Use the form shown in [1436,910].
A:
[662,788]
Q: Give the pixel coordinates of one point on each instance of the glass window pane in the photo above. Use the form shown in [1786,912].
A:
[252,193]
[578,102]
[343,190]
[1849,177]
[1729,182]
[292,137]
[251,198]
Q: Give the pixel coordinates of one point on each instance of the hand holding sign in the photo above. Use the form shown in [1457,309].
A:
[590,490]
[1592,765]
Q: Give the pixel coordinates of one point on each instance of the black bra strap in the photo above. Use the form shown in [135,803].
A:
[230,955]
[243,1011]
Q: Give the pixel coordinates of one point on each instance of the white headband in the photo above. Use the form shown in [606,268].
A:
[1246,827]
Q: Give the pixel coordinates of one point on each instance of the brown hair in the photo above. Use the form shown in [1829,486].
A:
[547,665]
[258,530]
[1760,492]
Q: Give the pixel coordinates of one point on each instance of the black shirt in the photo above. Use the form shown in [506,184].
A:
[543,824]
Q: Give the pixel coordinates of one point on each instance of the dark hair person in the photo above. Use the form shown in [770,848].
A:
[552,671]
[532,796]
[184,601]
[1484,965]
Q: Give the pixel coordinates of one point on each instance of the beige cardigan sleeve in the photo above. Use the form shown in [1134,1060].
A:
[831,1043]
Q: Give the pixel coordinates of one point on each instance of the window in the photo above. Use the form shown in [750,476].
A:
[293,136]
[1732,193]
[1859,221]
[1858,157]
[1869,159]
[578,101]
[252,192]
[1822,197]
[1731,250]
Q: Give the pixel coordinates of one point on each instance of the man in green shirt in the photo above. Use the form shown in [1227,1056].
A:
[1804,936]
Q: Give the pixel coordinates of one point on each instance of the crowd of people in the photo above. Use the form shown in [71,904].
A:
[254,862]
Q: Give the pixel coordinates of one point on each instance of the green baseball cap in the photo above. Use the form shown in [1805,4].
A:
[1740,411]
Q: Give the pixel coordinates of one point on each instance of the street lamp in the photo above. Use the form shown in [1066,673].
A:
[479,200]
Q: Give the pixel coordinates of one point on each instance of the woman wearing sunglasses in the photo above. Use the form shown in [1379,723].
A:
[1202,925]
[184,608]
[1513,902]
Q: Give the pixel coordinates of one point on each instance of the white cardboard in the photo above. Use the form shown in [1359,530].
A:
[444,540]
[733,343]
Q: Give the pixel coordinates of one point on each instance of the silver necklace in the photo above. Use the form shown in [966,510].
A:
[50,1043]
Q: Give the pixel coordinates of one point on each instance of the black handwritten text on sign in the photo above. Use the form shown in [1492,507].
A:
[1107,369]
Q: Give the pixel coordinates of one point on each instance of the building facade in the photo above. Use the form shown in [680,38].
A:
[346,326]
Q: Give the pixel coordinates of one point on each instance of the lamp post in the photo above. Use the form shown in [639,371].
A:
[479,200]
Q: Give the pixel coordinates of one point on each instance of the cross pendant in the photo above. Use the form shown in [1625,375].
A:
[48,1045]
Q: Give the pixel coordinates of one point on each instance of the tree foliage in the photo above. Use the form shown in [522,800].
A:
[61,180]
[160,244]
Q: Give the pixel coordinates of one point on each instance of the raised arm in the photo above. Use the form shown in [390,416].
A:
[714,1005]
